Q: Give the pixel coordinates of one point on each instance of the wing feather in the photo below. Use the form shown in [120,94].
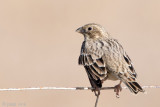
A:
[131,69]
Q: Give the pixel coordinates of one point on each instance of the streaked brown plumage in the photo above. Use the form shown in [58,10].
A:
[105,59]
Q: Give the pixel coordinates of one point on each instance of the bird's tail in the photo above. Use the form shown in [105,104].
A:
[133,86]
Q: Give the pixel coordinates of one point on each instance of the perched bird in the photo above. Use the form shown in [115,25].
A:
[105,59]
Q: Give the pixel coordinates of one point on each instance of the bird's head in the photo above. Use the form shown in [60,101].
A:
[92,31]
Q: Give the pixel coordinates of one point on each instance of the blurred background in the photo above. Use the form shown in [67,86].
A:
[39,47]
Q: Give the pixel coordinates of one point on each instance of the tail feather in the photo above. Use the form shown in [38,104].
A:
[134,87]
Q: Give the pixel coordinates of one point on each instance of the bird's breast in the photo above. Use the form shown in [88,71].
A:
[112,76]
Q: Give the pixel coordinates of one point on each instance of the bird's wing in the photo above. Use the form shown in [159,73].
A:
[94,64]
[130,77]
[123,59]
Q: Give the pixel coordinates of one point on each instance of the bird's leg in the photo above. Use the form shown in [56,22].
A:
[97,95]
[117,89]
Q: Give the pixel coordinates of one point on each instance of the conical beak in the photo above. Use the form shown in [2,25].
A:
[80,30]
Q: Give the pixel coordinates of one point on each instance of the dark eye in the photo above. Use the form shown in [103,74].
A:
[89,28]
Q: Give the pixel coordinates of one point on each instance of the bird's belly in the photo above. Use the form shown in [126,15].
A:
[112,76]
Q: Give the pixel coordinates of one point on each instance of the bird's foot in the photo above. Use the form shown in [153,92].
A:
[96,91]
[117,89]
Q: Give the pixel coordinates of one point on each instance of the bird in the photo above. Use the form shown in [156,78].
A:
[104,58]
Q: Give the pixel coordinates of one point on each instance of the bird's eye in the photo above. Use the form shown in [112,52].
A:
[89,28]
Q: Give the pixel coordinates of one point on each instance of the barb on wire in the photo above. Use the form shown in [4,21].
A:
[67,88]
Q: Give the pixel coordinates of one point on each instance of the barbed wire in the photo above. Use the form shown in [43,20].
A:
[68,88]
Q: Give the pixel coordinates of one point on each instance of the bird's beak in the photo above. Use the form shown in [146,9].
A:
[80,30]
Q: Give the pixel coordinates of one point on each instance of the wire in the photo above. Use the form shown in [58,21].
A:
[67,88]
